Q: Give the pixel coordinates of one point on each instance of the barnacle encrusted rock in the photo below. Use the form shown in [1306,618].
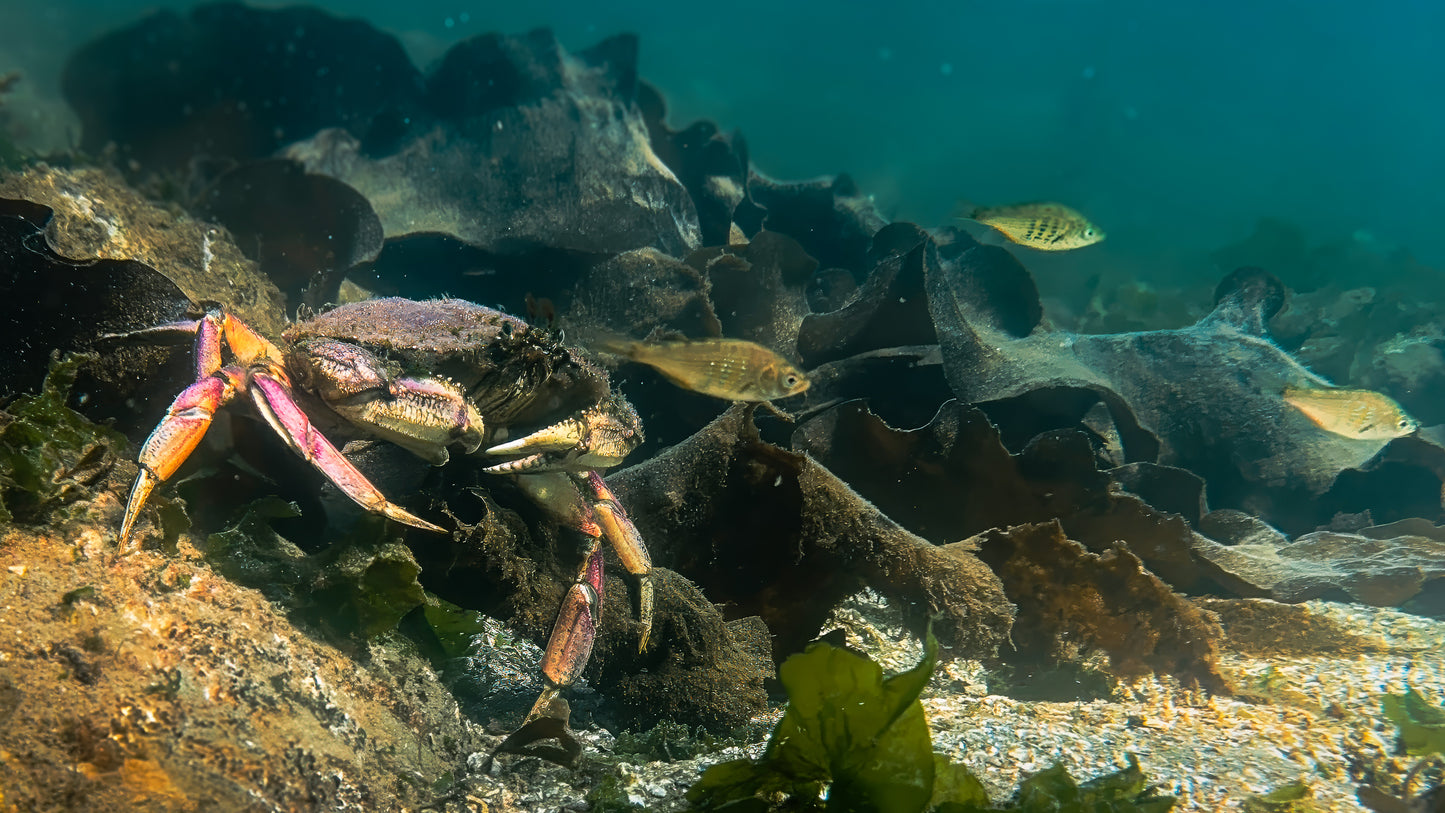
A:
[96,216]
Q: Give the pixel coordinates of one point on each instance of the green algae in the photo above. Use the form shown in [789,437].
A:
[1421,723]
[1125,791]
[455,629]
[361,585]
[51,455]
[854,740]
[1420,726]
[1295,797]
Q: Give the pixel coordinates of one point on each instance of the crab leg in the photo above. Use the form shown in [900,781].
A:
[570,645]
[599,515]
[175,437]
[274,403]
[628,545]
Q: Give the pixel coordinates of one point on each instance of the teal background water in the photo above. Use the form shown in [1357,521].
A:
[1175,126]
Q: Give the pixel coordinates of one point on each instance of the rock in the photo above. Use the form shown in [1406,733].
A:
[147,680]
[96,216]
[306,232]
[772,533]
[510,560]
[231,83]
[1271,628]
[1385,572]
[486,172]
[86,256]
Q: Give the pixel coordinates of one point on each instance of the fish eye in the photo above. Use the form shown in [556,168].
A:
[1088,232]
[791,380]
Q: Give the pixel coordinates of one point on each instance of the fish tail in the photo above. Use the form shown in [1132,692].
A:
[966,210]
[617,346]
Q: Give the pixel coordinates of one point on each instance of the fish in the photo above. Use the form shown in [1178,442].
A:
[1358,414]
[731,369]
[1044,226]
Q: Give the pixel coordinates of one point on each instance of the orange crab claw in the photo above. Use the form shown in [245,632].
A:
[173,440]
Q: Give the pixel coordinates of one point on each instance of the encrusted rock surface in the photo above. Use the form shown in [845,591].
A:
[147,681]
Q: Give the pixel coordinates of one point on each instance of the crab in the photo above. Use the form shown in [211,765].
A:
[429,376]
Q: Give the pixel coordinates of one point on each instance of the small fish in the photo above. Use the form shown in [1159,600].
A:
[1045,226]
[731,369]
[1358,414]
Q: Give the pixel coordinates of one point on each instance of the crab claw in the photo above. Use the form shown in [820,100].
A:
[274,403]
[596,438]
[173,440]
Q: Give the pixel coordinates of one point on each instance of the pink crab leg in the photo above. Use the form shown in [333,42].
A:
[628,545]
[175,437]
[274,402]
[570,645]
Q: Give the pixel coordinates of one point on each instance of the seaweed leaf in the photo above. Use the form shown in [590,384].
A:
[1126,790]
[362,584]
[49,453]
[1295,797]
[847,723]
[1421,724]
[847,729]
[863,740]
[455,627]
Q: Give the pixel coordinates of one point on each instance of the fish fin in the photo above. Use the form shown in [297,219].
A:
[614,344]
[1246,300]
[965,209]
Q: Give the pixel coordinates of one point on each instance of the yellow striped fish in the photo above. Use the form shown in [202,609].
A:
[731,369]
[1044,226]
[1359,414]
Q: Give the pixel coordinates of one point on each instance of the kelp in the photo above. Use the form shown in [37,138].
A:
[1420,726]
[364,584]
[847,728]
[50,454]
[1295,797]
[854,740]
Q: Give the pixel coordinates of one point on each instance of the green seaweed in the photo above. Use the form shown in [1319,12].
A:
[1421,730]
[51,455]
[1126,790]
[847,728]
[364,584]
[373,585]
[1296,797]
[853,740]
[454,628]
[608,796]
[1421,724]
